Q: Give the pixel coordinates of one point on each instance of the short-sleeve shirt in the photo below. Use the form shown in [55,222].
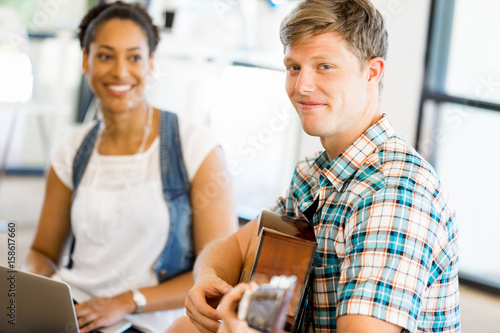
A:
[386,232]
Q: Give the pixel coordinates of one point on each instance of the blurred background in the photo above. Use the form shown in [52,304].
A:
[220,63]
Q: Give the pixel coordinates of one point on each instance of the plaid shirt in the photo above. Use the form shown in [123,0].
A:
[386,233]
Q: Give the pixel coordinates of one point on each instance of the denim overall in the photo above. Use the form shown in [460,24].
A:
[177,256]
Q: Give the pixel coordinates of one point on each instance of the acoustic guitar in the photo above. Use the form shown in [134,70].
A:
[284,246]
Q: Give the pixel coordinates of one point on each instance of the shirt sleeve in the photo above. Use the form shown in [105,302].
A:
[63,153]
[395,247]
[196,142]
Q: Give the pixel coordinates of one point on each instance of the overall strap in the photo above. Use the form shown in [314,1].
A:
[170,151]
[177,256]
[82,156]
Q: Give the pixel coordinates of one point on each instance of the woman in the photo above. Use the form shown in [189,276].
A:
[141,192]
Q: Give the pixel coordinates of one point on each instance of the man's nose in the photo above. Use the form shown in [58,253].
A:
[305,82]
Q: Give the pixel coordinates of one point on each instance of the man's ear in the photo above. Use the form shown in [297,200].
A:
[85,63]
[375,69]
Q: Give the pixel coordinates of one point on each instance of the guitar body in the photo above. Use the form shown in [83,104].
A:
[284,246]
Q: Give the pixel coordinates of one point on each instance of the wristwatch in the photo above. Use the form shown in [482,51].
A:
[139,299]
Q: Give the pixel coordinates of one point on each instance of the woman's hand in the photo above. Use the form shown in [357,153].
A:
[102,312]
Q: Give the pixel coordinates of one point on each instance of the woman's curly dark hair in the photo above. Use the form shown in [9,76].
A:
[103,12]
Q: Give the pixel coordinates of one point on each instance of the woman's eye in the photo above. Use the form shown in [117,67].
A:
[293,68]
[326,67]
[104,56]
[136,58]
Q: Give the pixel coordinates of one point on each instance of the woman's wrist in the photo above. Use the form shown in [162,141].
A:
[127,302]
[139,300]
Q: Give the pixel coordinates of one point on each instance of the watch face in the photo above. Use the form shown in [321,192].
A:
[139,299]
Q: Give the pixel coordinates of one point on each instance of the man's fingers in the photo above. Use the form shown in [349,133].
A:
[195,308]
[234,326]
[214,286]
[201,305]
[229,304]
[205,318]
[202,300]
[198,301]
[209,326]
[199,320]
[223,287]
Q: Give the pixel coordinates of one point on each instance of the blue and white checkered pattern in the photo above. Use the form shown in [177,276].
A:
[386,231]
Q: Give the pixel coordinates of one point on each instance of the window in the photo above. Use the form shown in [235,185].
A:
[459,124]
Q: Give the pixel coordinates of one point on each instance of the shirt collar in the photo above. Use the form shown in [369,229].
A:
[343,166]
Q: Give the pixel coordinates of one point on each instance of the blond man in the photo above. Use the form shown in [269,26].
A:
[387,257]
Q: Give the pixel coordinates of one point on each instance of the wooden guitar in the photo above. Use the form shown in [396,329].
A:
[284,246]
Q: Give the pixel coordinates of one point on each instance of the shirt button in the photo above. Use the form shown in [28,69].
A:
[163,273]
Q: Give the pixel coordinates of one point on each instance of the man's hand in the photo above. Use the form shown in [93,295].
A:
[202,302]
[228,311]
[103,312]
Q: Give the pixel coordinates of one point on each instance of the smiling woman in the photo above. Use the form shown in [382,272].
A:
[127,188]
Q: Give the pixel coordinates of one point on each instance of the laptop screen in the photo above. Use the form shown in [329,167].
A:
[33,303]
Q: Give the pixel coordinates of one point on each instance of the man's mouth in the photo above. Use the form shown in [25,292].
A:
[310,104]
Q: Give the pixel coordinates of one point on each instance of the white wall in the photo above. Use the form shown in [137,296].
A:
[407,22]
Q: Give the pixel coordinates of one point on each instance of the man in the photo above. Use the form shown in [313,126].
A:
[387,257]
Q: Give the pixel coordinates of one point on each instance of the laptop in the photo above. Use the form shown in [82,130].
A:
[32,303]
